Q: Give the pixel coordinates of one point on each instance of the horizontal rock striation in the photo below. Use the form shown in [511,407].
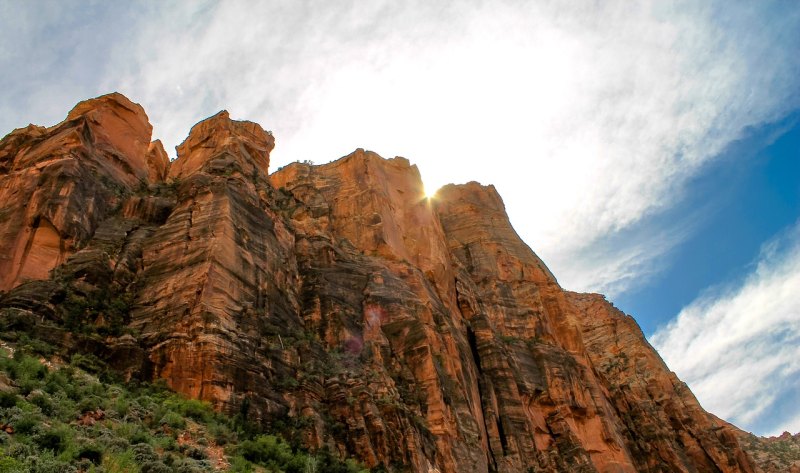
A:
[335,301]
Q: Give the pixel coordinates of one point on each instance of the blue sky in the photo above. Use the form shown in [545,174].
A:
[645,150]
[742,200]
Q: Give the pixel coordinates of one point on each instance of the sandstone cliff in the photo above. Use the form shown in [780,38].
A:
[335,301]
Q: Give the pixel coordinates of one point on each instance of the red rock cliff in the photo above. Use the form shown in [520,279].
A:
[418,335]
[58,183]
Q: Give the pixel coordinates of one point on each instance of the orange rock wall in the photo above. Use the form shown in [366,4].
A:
[418,335]
[58,183]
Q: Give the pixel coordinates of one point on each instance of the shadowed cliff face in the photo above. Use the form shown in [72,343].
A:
[335,301]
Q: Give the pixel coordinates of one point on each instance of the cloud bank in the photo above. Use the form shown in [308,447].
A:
[588,117]
[738,348]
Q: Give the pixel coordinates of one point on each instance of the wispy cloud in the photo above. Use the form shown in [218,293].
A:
[738,347]
[587,117]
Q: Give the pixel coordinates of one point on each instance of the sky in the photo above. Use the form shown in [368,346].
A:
[649,151]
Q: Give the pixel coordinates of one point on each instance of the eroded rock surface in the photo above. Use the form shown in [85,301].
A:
[58,183]
[417,335]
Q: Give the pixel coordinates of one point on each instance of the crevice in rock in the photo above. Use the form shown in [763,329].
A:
[473,346]
[502,434]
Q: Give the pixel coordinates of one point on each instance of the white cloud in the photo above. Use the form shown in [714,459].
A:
[588,117]
[739,348]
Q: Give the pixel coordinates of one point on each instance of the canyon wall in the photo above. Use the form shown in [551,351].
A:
[335,301]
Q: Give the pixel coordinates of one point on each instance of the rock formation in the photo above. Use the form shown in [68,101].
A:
[57,184]
[772,454]
[335,301]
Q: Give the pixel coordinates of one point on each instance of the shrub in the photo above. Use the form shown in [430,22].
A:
[122,462]
[47,463]
[240,465]
[89,404]
[25,422]
[174,420]
[155,467]
[198,410]
[28,367]
[10,465]
[42,401]
[144,453]
[267,450]
[20,451]
[7,400]
[55,439]
[91,452]
[88,363]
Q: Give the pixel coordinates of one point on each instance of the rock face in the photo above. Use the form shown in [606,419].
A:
[772,454]
[335,300]
[57,184]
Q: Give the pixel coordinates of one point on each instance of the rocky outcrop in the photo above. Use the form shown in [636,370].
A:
[220,263]
[661,421]
[779,454]
[219,144]
[335,301]
[57,184]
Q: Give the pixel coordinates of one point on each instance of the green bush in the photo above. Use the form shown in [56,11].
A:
[43,402]
[55,439]
[10,465]
[25,422]
[46,462]
[155,467]
[267,450]
[122,462]
[173,419]
[8,400]
[198,410]
[143,453]
[91,452]
[88,363]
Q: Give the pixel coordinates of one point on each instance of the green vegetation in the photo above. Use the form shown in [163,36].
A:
[98,311]
[66,419]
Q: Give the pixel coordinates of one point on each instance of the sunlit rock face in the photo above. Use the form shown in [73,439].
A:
[335,301]
[57,184]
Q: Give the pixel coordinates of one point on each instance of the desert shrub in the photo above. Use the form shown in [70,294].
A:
[267,450]
[43,402]
[88,363]
[196,453]
[90,403]
[155,467]
[198,410]
[20,451]
[91,452]
[121,462]
[55,439]
[132,432]
[36,346]
[144,453]
[8,400]
[173,419]
[190,466]
[25,422]
[46,462]
[10,464]
[240,465]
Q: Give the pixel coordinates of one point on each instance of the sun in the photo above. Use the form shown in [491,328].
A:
[429,191]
